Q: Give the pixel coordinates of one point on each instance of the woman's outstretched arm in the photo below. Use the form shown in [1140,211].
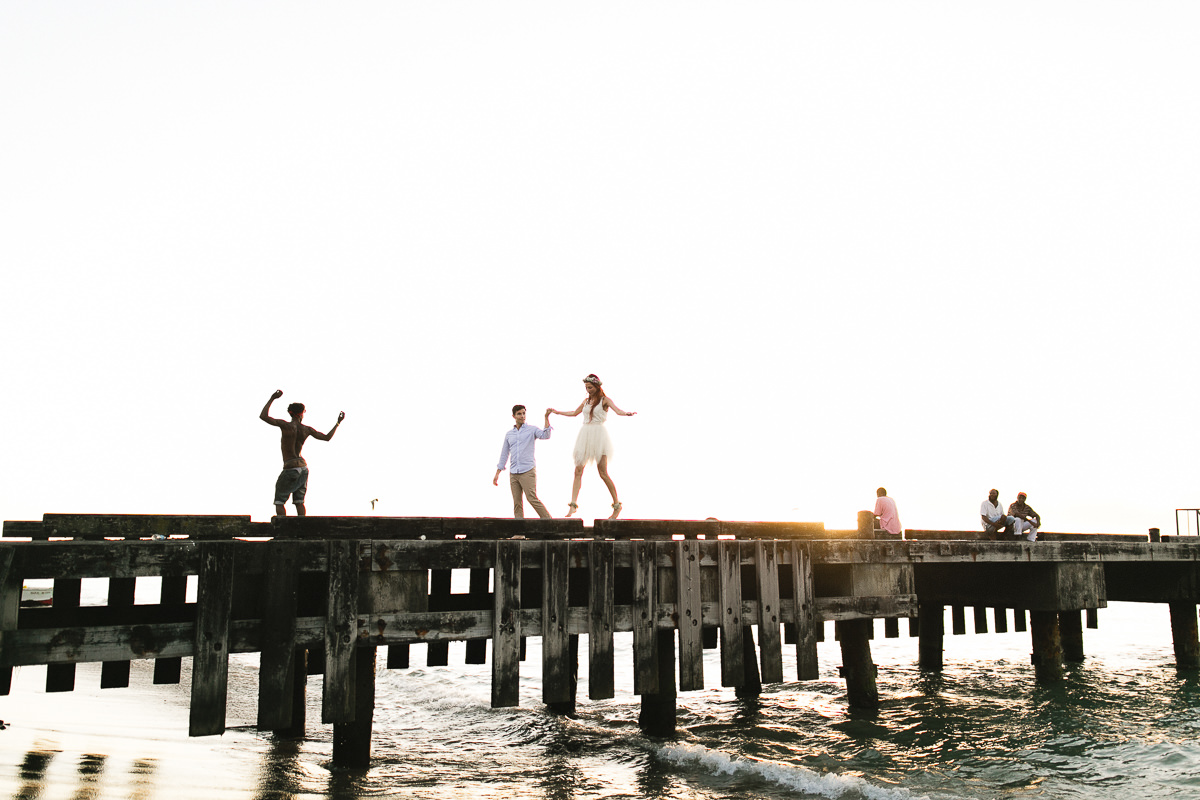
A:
[574,413]
[621,413]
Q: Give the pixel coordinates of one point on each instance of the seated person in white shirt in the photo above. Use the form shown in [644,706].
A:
[995,521]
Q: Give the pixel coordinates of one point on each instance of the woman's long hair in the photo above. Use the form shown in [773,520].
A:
[599,396]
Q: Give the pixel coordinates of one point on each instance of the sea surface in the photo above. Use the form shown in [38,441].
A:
[1123,724]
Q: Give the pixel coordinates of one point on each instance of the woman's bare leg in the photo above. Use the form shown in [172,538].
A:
[602,468]
[575,491]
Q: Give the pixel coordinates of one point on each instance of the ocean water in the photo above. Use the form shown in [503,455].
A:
[1123,724]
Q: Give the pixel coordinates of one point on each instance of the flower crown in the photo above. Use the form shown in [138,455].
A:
[592,379]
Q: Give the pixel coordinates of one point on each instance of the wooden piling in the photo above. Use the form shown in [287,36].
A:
[857,666]
[352,738]
[958,620]
[437,653]
[1019,620]
[1001,619]
[66,594]
[644,606]
[729,566]
[601,621]
[1184,635]
[341,634]
[506,625]
[10,604]
[477,592]
[688,615]
[277,662]
[981,625]
[807,668]
[115,674]
[766,570]
[1047,655]
[210,662]
[657,716]
[172,594]
[931,624]
[558,691]
[1070,631]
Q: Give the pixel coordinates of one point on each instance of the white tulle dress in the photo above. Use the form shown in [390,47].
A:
[593,441]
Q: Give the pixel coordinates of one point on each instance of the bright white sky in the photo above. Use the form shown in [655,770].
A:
[939,247]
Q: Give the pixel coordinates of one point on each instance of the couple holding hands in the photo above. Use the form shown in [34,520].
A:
[592,444]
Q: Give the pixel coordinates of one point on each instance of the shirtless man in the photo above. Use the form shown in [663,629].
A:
[293,480]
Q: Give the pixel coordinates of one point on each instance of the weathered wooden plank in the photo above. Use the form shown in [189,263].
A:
[341,633]
[601,682]
[144,526]
[655,529]
[115,674]
[766,566]
[729,559]
[645,638]
[66,594]
[689,615]
[1070,630]
[210,661]
[804,614]
[506,625]
[277,663]
[24,529]
[775,530]
[172,597]
[557,684]
[411,588]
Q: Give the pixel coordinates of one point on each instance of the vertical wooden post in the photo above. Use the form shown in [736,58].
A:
[506,625]
[11,584]
[1000,617]
[412,589]
[477,591]
[1184,636]
[171,595]
[1019,620]
[66,593]
[210,658]
[558,691]
[958,620]
[601,619]
[645,618]
[859,670]
[891,628]
[807,668]
[729,568]
[657,714]
[341,633]
[277,662]
[1093,619]
[115,674]
[1070,631]
[689,620]
[352,739]
[931,628]
[1047,646]
[766,569]
[437,653]
[981,625]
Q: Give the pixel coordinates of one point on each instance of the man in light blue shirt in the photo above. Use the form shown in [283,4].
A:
[517,452]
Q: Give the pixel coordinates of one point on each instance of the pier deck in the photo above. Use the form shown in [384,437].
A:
[320,595]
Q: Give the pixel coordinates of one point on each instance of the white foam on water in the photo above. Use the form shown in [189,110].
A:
[800,779]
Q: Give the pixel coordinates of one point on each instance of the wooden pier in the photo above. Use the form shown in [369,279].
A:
[321,595]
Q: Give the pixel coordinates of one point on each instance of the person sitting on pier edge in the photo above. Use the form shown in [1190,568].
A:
[995,521]
[293,480]
[1028,520]
[522,478]
[885,512]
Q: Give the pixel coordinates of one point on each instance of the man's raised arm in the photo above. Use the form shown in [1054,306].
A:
[265,414]
[325,437]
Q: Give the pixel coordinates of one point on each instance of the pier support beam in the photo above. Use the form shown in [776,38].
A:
[931,622]
[352,740]
[1070,630]
[854,635]
[1047,646]
[657,716]
[1184,635]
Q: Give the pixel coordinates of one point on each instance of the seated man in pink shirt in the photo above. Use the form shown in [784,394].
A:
[885,510]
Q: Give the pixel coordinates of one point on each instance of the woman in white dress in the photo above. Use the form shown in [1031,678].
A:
[593,443]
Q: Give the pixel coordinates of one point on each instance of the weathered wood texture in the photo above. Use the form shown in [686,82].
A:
[506,626]
[210,660]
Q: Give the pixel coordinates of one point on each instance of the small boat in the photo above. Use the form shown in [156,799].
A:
[37,595]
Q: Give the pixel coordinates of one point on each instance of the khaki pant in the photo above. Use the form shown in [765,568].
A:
[526,482]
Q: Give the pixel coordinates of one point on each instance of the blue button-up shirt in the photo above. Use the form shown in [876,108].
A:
[518,443]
